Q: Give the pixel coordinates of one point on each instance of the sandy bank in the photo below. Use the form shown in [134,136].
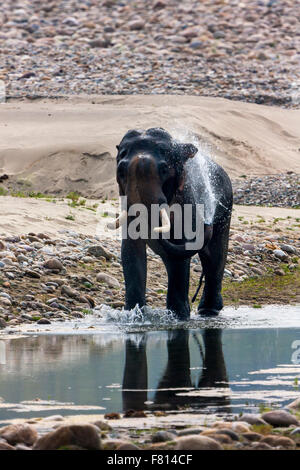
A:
[56,147]
[23,215]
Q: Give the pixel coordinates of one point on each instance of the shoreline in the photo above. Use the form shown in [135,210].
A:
[47,249]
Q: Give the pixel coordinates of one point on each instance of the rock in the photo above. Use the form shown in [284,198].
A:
[275,441]
[280,255]
[217,436]
[113,444]
[228,432]
[136,24]
[162,436]
[69,292]
[261,446]
[85,436]
[191,32]
[98,251]
[240,427]
[197,443]
[104,42]
[102,425]
[279,272]
[295,405]
[295,431]
[54,418]
[22,447]
[190,431]
[43,321]
[2,323]
[5,446]
[33,274]
[288,249]
[135,414]
[107,279]
[127,446]
[252,419]
[19,433]
[53,264]
[73,22]
[280,418]
[159,4]
[112,416]
[252,436]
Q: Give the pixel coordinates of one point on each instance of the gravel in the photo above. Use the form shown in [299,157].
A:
[238,50]
[275,190]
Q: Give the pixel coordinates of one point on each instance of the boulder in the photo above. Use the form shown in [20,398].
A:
[84,436]
[197,443]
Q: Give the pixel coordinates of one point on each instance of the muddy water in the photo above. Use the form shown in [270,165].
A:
[113,362]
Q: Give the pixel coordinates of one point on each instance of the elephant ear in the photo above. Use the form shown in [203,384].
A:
[183,153]
[186,151]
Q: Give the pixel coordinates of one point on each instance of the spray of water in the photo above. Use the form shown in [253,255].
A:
[199,172]
[136,316]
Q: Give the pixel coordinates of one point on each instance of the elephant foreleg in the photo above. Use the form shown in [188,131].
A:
[213,260]
[134,263]
[178,287]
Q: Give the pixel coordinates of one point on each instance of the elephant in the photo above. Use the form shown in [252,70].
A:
[153,168]
[177,373]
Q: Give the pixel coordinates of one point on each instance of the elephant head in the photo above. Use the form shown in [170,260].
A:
[150,170]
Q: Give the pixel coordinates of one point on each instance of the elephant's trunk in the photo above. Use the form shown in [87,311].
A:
[180,251]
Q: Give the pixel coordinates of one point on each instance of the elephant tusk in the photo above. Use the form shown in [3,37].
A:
[166,224]
[118,222]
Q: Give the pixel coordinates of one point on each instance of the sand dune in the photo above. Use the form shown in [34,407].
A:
[56,147]
[23,215]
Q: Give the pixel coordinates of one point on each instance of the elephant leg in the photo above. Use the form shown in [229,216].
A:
[135,375]
[178,286]
[134,261]
[213,259]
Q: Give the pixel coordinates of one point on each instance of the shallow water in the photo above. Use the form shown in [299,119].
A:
[117,362]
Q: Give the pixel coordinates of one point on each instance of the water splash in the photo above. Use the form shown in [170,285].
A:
[140,317]
[200,172]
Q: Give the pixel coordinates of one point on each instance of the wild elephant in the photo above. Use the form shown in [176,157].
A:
[152,171]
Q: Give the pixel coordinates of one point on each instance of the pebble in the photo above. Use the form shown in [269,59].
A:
[252,419]
[295,404]
[275,441]
[83,436]
[19,433]
[227,50]
[107,279]
[53,264]
[197,443]
[280,418]
[43,321]
[163,436]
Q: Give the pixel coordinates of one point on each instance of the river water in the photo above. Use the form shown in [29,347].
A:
[114,361]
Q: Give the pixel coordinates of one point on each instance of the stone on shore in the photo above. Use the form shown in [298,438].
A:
[84,436]
[280,418]
[19,434]
[197,443]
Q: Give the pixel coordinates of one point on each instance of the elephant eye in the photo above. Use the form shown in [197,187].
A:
[163,170]
[122,154]
[122,169]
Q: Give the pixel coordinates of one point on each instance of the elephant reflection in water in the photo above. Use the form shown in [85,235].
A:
[177,374]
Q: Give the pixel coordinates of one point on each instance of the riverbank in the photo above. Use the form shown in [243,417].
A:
[58,253]
[138,430]
[237,50]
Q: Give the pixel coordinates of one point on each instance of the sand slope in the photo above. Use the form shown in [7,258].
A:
[23,215]
[69,145]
